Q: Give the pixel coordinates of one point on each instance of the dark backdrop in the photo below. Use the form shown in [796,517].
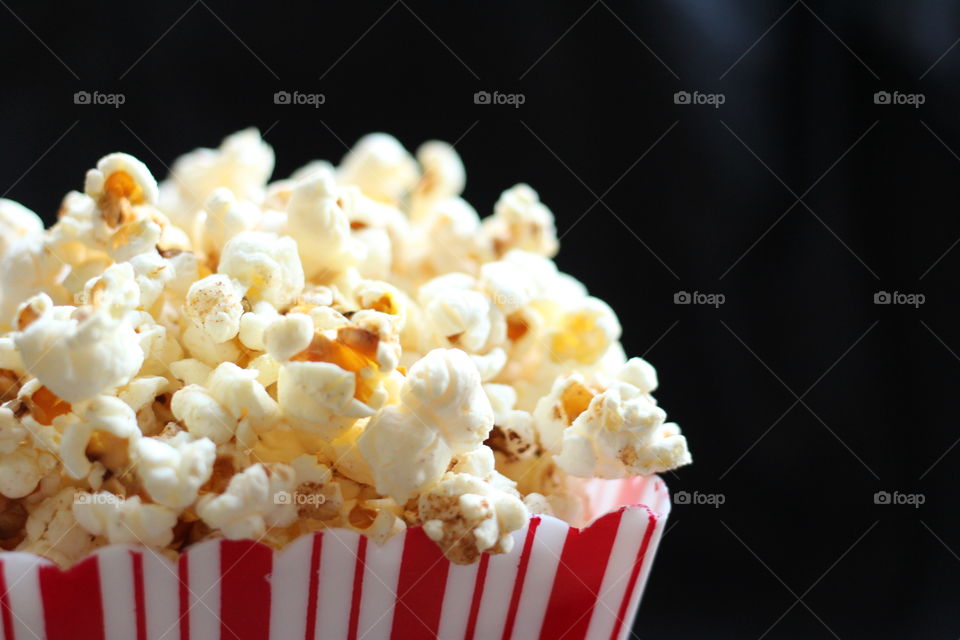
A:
[798,199]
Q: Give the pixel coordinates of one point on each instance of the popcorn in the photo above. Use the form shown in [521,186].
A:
[120,182]
[215,305]
[315,217]
[106,414]
[202,415]
[223,217]
[443,174]
[124,521]
[464,317]
[80,352]
[242,164]
[253,501]
[238,390]
[254,323]
[16,222]
[614,432]
[350,347]
[380,166]
[287,336]
[442,412]
[521,221]
[174,469]
[52,531]
[266,265]
[22,469]
[467,517]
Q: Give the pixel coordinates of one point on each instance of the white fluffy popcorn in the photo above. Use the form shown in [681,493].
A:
[288,336]
[242,164]
[253,501]
[612,432]
[202,414]
[380,166]
[215,305]
[121,176]
[107,414]
[443,411]
[351,347]
[80,352]
[316,218]
[467,517]
[521,221]
[443,389]
[16,221]
[124,521]
[173,469]
[267,266]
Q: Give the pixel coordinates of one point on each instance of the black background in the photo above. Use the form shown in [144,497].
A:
[691,198]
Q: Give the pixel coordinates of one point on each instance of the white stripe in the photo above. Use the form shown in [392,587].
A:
[381,575]
[457,598]
[661,507]
[161,596]
[22,577]
[203,568]
[623,555]
[498,588]
[337,563]
[117,592]
[541,572]
[290,590]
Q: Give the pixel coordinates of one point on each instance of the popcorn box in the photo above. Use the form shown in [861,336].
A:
[558,581]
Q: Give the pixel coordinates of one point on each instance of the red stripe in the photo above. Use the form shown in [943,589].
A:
[477,596]
[314,586]
[521,575]
[578,579]
[72,606]
[357,588]
[5,606]
[245,568]
[635,574]
[420,587]
[138,595]
[184,574]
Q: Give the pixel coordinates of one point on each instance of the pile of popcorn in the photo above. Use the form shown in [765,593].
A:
[224,356]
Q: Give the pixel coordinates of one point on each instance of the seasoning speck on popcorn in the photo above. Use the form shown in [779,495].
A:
[353,347]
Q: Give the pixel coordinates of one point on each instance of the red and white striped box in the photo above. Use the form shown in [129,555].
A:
[558,582]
